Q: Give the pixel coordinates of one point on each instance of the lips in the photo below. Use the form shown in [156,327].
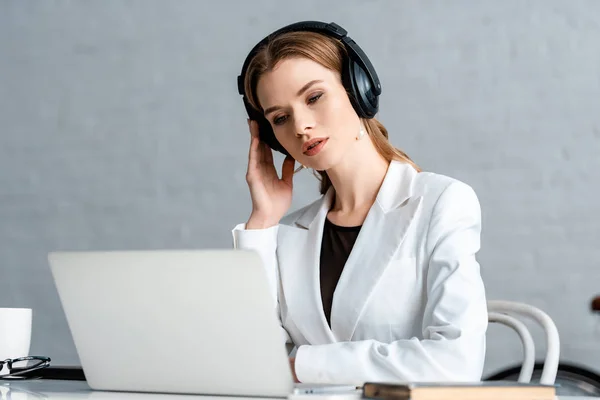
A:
[311,144]
[314,146]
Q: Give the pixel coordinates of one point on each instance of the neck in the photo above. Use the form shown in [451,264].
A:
[358,177]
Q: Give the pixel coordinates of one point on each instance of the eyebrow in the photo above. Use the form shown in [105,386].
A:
[302,90]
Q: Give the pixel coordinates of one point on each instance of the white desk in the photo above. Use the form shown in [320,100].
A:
[75,390]
[78,390]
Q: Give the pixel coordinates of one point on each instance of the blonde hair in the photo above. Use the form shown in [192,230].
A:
[330,53]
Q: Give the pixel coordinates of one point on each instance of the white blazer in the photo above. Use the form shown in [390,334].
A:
[410,304]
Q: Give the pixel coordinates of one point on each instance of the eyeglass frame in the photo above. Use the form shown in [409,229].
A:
[43,363]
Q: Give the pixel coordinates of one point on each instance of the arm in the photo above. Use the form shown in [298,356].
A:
[264,242]
[454,322]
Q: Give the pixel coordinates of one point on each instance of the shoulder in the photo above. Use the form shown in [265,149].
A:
[450,209]
[439,190]
[403,182]
[451,216]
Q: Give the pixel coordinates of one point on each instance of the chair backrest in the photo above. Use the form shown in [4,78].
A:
[503,312]
[528,346]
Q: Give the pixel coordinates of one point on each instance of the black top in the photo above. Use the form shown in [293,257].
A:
[335,249]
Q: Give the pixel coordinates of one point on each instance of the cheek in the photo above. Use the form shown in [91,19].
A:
[285,135]
[342,118]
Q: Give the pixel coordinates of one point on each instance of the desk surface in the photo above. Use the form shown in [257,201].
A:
[74,390]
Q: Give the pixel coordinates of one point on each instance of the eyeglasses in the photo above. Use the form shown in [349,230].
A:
[21,368]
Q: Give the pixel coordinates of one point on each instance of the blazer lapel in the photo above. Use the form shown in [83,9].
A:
[302,247]
[379,239]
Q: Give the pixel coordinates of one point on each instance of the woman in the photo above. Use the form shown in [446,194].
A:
[377,280]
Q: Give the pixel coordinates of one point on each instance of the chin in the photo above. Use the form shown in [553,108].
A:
[323,162]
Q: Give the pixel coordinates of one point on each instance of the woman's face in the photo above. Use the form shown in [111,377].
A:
[307,104]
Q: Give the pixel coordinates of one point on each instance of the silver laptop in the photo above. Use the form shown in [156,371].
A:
[198,322]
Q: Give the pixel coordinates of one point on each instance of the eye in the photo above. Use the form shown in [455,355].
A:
[314,98]
[279,120]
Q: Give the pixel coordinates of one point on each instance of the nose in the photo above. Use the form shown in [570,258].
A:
[304,122]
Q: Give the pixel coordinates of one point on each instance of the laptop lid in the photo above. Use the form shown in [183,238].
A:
[200,322]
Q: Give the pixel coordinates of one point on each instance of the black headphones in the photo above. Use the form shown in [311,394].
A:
[358,77]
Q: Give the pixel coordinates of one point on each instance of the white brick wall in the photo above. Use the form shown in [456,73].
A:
[120,127]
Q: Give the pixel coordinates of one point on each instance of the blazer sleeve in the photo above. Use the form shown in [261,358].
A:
[452,347]
[264,242]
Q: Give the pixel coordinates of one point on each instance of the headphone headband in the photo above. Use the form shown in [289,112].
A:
[332,29]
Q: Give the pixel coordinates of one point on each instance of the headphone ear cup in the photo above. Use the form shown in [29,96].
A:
[358,84]
[265,132]
[267,135]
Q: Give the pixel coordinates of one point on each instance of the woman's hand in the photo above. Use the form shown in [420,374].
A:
[271,196]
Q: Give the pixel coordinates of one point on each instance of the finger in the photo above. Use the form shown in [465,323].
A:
[268,154]
[255,143]
[253,128]
[260,151]
[287,170]
[253,154]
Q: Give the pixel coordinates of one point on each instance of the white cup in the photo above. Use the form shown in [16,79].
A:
[15,333]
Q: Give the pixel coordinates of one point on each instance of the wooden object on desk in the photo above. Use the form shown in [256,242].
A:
[496,390]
